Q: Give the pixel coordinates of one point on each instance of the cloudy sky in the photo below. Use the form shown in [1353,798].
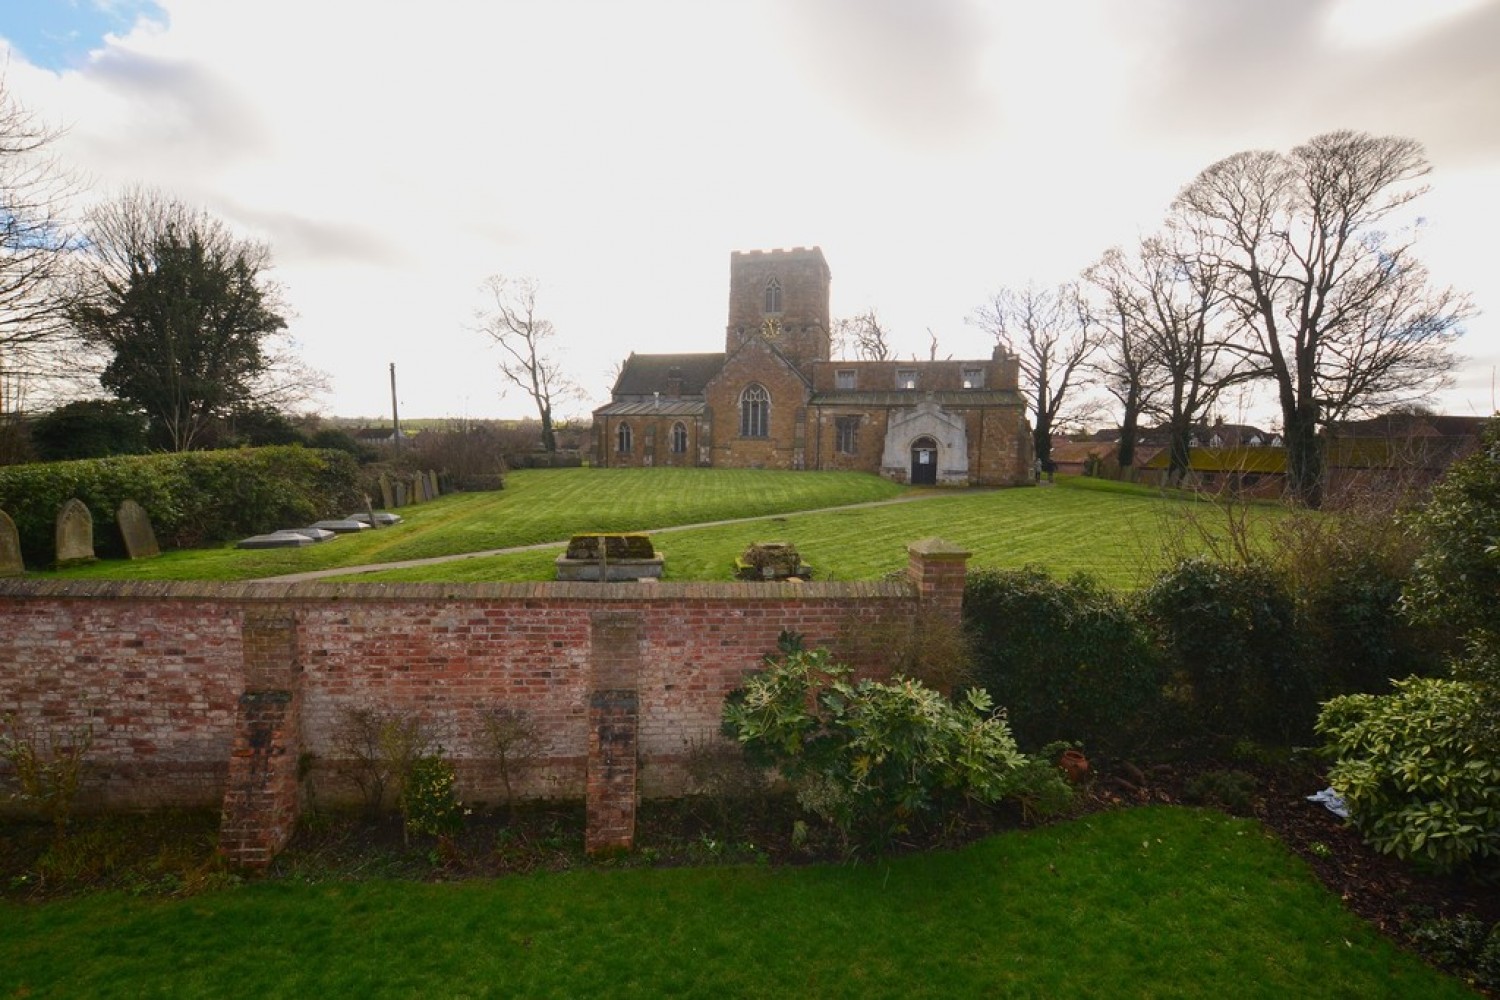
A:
[395,154]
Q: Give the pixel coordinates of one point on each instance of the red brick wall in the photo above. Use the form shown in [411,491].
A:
[158,669]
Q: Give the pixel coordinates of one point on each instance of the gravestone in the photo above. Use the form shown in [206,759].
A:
[610,558]
[135,530]
[387,498]
[276,540]
[399,487]
[376,518]
[432,485]
[10,547]
[414,488]
[342,526]
[75,533]
[771,561]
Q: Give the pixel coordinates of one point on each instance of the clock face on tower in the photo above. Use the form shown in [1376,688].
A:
[771,329]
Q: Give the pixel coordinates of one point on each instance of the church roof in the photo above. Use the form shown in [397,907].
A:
[652,408]
[911,397]
[644,374]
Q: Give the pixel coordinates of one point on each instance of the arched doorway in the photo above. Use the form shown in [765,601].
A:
[924,462]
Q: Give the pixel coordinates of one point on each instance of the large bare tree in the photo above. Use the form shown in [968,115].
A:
[35,238]
[524,338]
[1050,332]
[1337,312]
[1126,365]
[1167,337]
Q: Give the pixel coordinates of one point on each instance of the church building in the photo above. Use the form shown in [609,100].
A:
[774,399]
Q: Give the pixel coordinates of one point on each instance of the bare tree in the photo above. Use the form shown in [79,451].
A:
[1336,312]
[1172,304]
[1050,332]
[35,238]
[523,338]
[1126,365]
[865,335]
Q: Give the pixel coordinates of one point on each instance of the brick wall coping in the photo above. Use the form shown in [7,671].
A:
[936,548]
[254,591]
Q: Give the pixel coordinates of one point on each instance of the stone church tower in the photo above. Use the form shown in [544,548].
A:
[785,294]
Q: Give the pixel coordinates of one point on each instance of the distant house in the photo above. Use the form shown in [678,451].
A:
[1398,451]
[378,435]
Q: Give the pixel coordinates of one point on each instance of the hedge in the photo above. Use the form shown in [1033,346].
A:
[192,498]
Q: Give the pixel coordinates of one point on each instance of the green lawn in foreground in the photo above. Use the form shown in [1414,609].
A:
[1152,902]
[1121,536]
[537,505]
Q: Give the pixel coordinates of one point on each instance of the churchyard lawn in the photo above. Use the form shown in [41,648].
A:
[1120,534]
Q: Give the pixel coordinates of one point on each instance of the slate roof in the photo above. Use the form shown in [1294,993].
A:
[652,408]
[643,374]
[911,397]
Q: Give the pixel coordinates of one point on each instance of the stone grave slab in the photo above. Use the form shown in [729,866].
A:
[316,534]
[75,533]
[381,518]
[10,547]
[342,526]
[276,540]
[135,530]
[610,558]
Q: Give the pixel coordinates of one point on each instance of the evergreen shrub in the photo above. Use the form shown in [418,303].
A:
[191,497]
[1231,639]
[1069,661]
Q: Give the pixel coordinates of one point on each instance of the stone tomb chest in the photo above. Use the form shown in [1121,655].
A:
[610,558]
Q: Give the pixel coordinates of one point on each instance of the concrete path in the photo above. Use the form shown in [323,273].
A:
[323,574]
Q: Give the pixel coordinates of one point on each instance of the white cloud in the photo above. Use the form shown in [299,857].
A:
[394,154]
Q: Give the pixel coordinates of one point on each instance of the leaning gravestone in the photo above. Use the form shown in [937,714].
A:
[387,498]
[432,485]
[75,533]
[135,530]
[10,547]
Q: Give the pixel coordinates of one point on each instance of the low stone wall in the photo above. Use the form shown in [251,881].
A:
[234,694]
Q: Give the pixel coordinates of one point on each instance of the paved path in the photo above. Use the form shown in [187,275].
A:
[322,574]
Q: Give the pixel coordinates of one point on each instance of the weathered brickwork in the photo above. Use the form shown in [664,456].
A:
[203,693]
[782,447]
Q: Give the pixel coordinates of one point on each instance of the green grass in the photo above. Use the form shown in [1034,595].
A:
[1122,537]
[537,505]
[1121,534]
[1159,902]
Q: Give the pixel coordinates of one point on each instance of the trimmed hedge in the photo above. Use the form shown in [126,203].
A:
[1068,661]
[191,497]
[1234,644]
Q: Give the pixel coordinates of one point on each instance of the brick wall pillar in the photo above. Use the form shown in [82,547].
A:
[261,794]
[939,569]
[614,722]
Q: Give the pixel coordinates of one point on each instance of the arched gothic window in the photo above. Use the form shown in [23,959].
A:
[679,438]
[773,296]
[755,412]
[622,439]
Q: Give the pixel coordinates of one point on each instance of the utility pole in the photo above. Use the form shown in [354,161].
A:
[395,417]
